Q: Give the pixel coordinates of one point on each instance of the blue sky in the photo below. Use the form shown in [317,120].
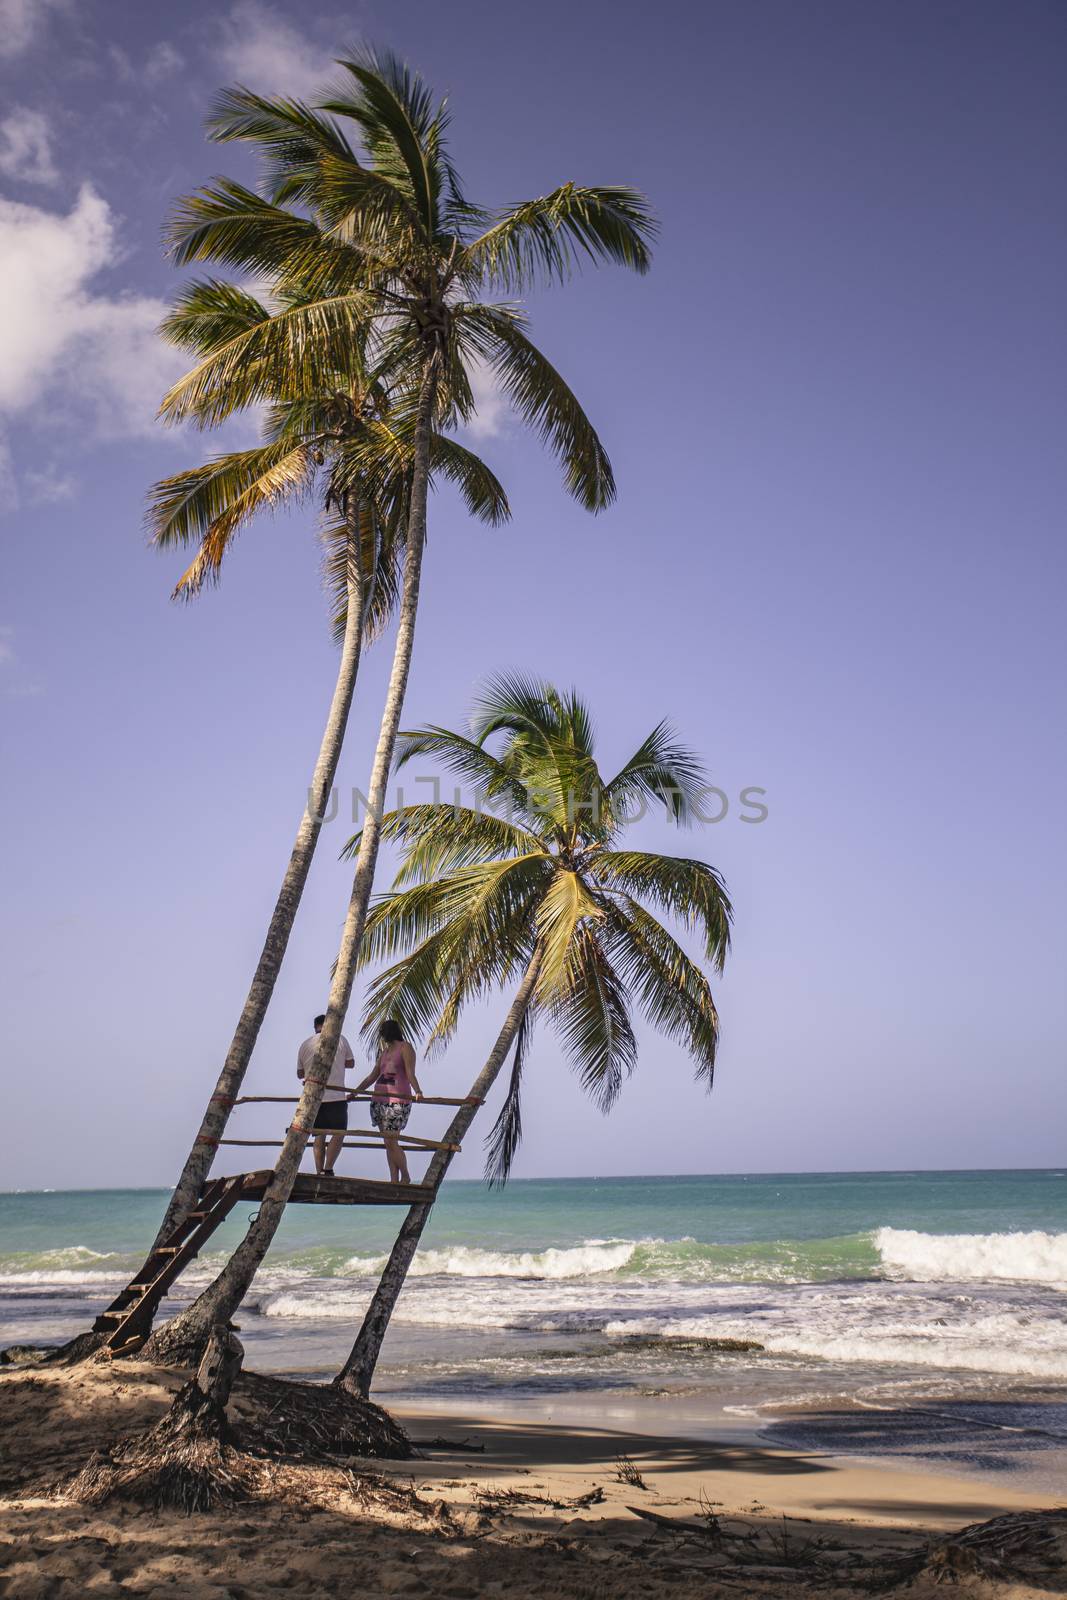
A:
[835,411]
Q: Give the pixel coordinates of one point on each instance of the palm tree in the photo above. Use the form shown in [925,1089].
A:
[346,441]
[380,230]
[545,898]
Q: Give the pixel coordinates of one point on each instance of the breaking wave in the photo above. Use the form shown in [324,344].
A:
[973,1257]
[897,1254]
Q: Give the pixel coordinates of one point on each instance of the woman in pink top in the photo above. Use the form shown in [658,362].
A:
[395,1086]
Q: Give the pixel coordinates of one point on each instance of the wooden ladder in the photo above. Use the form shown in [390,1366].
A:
[128,1318]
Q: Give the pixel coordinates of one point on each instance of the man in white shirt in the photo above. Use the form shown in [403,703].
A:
[333,1112]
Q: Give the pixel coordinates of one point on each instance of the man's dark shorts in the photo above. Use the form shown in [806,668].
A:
[332,1117]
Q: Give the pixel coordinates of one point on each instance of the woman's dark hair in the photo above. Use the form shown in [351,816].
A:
[390,1032]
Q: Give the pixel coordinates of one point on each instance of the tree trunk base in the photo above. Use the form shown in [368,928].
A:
[196,1459]
[175,1346]
[351,1385]
[186,1461]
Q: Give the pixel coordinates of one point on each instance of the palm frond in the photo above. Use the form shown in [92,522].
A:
[482,492]
[230,224]
[210,313]
[660,769]
[281,356]
[549,747]
[688,890]
[566,905]
[210,503]
[470,901]
[226,491]
[394,109]
[363,204]
[469,936]
[488,777]
[378,571]
[540,395]
[503,1140]
[591,1015]
[549,236]
[438,838]
[673,993]
[290,138]
[512,703]
[411,991]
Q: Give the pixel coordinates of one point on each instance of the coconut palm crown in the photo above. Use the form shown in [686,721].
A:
[534,871]
[361,220]
[350,437]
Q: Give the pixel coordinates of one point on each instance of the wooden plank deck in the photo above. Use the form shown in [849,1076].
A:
[311,1190]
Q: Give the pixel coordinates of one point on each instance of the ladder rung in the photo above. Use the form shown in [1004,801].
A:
[169,1249]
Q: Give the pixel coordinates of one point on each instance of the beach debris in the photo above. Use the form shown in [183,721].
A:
[626,1471]
[24,1355]
[677,1525]
[503,1499]
[375,1489]
[314,1422]
[1027,1545]
[1020,1545]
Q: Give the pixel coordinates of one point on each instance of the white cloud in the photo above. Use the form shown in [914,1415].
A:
[9,492]
[50,485]
[162,61]
[14,682]
[26,147]
[490,401]
[20,20]
[259,49]
[91,359]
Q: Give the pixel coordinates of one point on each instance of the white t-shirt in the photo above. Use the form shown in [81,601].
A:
[343,1059]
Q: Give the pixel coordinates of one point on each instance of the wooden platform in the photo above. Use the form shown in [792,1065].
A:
[311,1190]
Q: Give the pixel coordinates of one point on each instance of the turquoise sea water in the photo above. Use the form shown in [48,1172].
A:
[878,1290]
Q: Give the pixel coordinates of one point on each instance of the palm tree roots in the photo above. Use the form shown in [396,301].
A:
[196,1458]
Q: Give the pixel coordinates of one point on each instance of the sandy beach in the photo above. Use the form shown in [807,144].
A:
[493,1506]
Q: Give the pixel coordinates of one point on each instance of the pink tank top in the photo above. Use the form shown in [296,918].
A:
[393,1082]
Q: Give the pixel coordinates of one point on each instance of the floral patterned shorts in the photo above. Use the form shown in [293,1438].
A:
[390,1116]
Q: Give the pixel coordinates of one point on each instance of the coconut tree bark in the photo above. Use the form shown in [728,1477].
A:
[200,1157]
[185,1336]
[358,1370]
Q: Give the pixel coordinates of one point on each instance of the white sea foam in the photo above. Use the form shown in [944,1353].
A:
[463,1261]
[61,1276]
[973,1257]
[1012,1331]
[993,1345]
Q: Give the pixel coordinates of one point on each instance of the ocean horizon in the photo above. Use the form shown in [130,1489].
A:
[612,1177]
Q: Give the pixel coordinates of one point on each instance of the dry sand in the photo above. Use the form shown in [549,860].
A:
[498,1521]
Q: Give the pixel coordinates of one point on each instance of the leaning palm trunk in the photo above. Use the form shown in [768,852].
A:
[358,1370]
[198,1162]
[184,1337]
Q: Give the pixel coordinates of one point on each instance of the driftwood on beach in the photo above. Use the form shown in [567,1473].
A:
[1020,1546]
